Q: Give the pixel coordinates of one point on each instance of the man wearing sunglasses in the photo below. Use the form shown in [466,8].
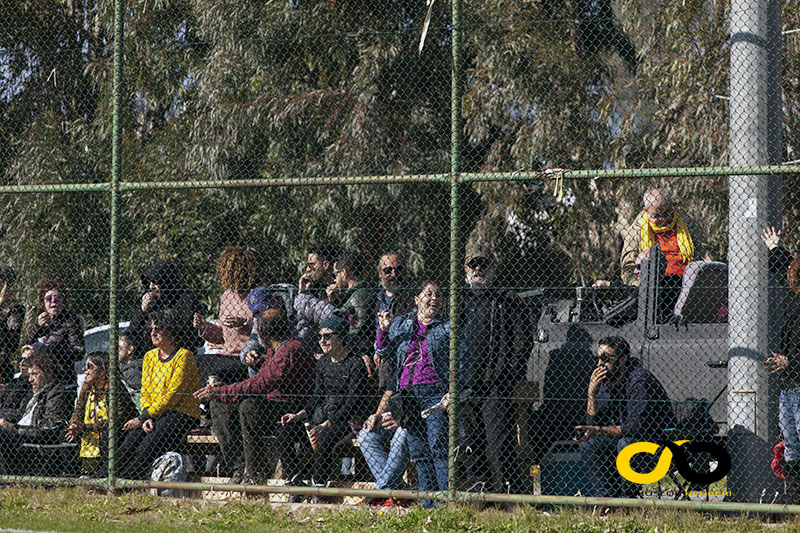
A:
[394,296]
[625,404]
[494,333]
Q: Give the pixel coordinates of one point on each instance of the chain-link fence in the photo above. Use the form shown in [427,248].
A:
[320,272]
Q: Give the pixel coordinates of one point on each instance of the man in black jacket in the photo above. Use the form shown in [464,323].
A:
[15,394]
[495,356]
[163,282]
[42,420]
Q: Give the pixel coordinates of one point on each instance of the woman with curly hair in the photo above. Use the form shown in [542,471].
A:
[238,273]
[89,421]
[59,329]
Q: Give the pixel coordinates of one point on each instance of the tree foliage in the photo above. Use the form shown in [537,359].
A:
[313,88]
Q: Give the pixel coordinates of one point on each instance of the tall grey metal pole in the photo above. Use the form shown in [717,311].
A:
[113,245]
[755,202]
[456,91]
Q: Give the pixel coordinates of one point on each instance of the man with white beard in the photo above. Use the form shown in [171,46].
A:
[493,330]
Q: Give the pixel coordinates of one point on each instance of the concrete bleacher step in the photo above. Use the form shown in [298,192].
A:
[217,495]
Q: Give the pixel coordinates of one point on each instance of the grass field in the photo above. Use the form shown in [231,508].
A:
[68,509]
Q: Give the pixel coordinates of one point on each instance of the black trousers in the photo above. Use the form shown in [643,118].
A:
[139,449]
[488,447]
[293,444]
[242,429]
[10,453]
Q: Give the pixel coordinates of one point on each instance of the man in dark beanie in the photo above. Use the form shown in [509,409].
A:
[243,414]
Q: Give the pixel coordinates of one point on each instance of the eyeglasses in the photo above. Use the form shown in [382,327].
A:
[388,270]
[479,262]
[325,337]
[662,214]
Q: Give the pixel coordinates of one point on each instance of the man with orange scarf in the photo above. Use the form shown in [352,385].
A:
[659,223]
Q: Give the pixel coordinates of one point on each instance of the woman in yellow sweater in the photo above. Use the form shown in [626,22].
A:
[169,410]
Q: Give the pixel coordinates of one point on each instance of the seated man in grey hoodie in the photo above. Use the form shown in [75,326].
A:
[304,312]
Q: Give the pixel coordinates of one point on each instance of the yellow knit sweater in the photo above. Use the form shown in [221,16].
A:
[168,385]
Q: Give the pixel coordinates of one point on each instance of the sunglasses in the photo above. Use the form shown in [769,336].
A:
[53,298]
[479,262]
[326,336]
[388,270]
[606,358]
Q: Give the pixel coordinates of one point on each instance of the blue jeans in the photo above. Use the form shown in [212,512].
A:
[789,420]
[599,456]
[428,445]
[387,468]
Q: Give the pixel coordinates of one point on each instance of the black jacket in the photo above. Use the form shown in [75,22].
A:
[13,397]
[63,335]
[779,261]
[338,390]
[502,355]
[12,315]
[50,416]
[640,406]
[168,275]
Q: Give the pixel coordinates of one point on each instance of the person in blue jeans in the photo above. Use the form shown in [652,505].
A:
[420,343]
[786,365]
[387,467]
[625,404]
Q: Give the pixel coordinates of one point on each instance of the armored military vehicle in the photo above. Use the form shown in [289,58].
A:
[680,333]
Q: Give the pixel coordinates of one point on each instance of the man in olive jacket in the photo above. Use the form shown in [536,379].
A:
[349,293]
[41,421]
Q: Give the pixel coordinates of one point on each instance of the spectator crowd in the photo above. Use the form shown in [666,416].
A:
[298,372]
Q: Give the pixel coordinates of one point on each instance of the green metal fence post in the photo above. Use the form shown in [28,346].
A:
[455,220]
[113,260]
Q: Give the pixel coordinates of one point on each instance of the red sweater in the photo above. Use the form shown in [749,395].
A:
[287,374]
